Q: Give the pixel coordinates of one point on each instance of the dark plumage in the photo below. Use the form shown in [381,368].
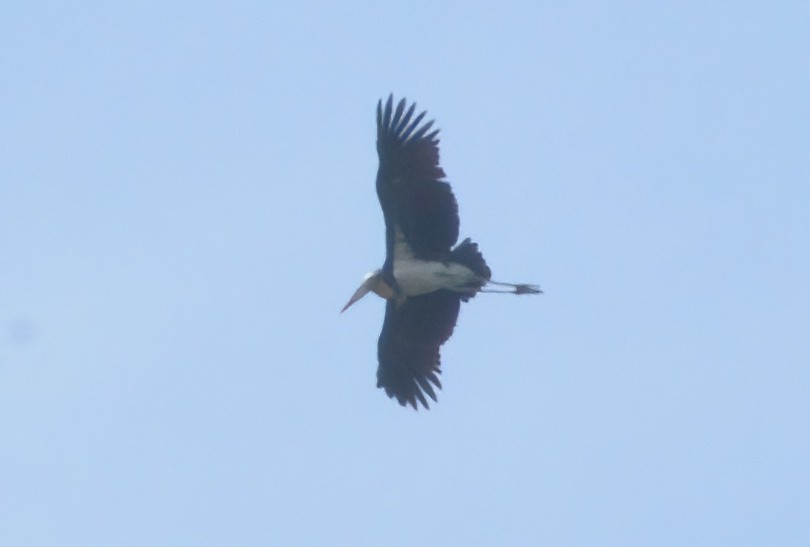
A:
[409,185]
[415,199]
[423,278]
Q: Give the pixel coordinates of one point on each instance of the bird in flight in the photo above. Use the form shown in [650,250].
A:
[424,277]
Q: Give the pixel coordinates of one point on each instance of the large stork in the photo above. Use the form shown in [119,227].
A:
[424,278]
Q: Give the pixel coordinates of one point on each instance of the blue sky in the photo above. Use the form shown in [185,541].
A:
[186,201]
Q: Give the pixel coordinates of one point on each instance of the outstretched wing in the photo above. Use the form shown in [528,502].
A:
[412,193]
[408,348]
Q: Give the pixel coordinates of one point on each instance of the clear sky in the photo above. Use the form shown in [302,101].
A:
[187,201]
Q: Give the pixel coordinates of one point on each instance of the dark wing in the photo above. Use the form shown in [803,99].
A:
[412,193]
[408,349]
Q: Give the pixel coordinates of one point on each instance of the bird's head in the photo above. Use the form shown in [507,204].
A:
[372,282]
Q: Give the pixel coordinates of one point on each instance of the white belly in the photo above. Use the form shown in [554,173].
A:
[416,276]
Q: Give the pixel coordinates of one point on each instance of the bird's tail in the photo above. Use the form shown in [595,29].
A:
[467,254]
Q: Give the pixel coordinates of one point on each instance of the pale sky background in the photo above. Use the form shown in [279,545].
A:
[187,200]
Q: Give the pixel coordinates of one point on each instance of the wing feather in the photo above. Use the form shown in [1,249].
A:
[410,185]
[405,119]
[407,132]
[408,348]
